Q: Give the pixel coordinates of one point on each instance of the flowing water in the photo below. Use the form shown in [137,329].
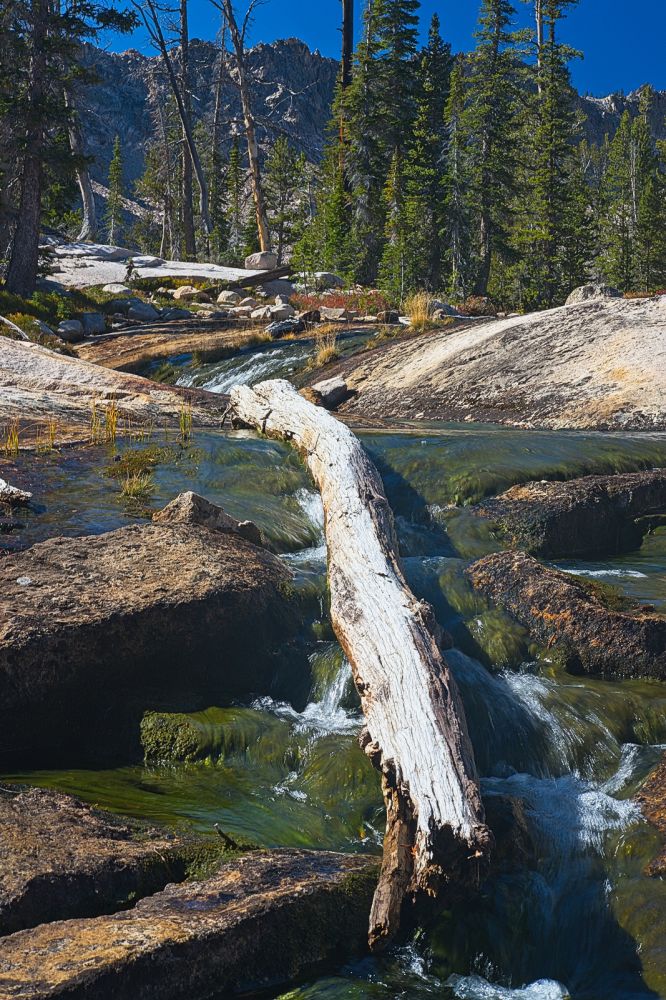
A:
[573,915]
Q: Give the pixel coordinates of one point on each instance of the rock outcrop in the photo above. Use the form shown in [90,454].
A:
[260,921]
[652,800]
[599,364]
[37,385]
[587,516]
[95,630]
[573,617]
[60,858]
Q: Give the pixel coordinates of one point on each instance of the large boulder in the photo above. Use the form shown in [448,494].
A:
[586,293]
[142,311]
[117,288]
[588,628]
[260,921]
[93,324]
[71,331]
[264,260]
[278,286]
[97,629]
[189,293]
[190,508]
[593,515]
[61,858]
[228,298]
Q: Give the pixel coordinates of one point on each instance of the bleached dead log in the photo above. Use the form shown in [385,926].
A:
[416,731]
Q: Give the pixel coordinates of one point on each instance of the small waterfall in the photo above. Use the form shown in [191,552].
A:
[477,988]
[322,717]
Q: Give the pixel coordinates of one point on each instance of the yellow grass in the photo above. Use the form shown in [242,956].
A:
[11,442]
[419,308]
[326,338]
[137,486]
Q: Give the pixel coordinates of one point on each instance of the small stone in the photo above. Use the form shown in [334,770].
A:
[285,327]
[24,581]
[281,312]
[142,311]
[263,313]
[310,316]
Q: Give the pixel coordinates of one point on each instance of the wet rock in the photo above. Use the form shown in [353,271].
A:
[262,920]
[586,293]
[60,858]
[190,508]
[574,617]
[390,316]
[652,800]
[12,495]
[587,516]
[93,324]
[262,261]
[71,331]
[514,845]
[214,735]
[95,630]
[284,327]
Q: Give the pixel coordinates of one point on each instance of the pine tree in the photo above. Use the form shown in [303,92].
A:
[617,226]
[235,197]
[379,111]
[284,176]
[392,265]
[456,236]
[490,132]
[114,205]
[550,210]
[424,168]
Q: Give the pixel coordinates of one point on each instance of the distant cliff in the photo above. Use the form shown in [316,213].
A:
[293,94]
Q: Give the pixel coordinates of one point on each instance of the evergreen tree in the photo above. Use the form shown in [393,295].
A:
[490,133]
[617,225]
[284,176]
[379,112]
[424,168]
[392,265]
[550,211]
[456,235]
[114,204]
[235,198]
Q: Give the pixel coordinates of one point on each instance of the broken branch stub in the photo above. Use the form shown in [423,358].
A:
[416,735]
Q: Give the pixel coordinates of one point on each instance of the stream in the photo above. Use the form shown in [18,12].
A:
[576,916]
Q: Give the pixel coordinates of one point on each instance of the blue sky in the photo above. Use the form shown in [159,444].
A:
[624,41]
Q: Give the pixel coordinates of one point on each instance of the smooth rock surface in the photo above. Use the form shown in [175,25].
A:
[573,617]
[600,364]
[93,323]
[142,311]
[70,330]
[117,288]
[260,921]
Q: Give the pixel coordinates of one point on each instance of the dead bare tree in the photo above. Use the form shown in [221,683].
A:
[238,36]
[186,183]
[149,12]
[88,229]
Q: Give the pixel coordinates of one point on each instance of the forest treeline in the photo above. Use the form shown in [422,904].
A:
[462,175]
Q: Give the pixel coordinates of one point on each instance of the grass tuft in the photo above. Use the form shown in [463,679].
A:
[137,486]
[326,339]
[12,439]
[418,307]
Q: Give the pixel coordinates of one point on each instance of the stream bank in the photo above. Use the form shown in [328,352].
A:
[577,915]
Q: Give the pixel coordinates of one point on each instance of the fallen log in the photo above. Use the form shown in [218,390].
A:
[436,837]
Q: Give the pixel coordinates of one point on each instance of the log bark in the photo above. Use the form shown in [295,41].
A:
[416,735]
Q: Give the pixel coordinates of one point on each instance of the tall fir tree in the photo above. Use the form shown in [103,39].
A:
[379,112]
[617,201]
[424,168]
[113,215]
[235,198]
[392,265]
[490,132]
[456,236]
[284,178]
[549,212]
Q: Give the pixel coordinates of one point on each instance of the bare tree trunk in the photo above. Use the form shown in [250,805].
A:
[238,42]
[347,42]
[89,224]
[436,837]
[22,270]
[186,192]
[152,23]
